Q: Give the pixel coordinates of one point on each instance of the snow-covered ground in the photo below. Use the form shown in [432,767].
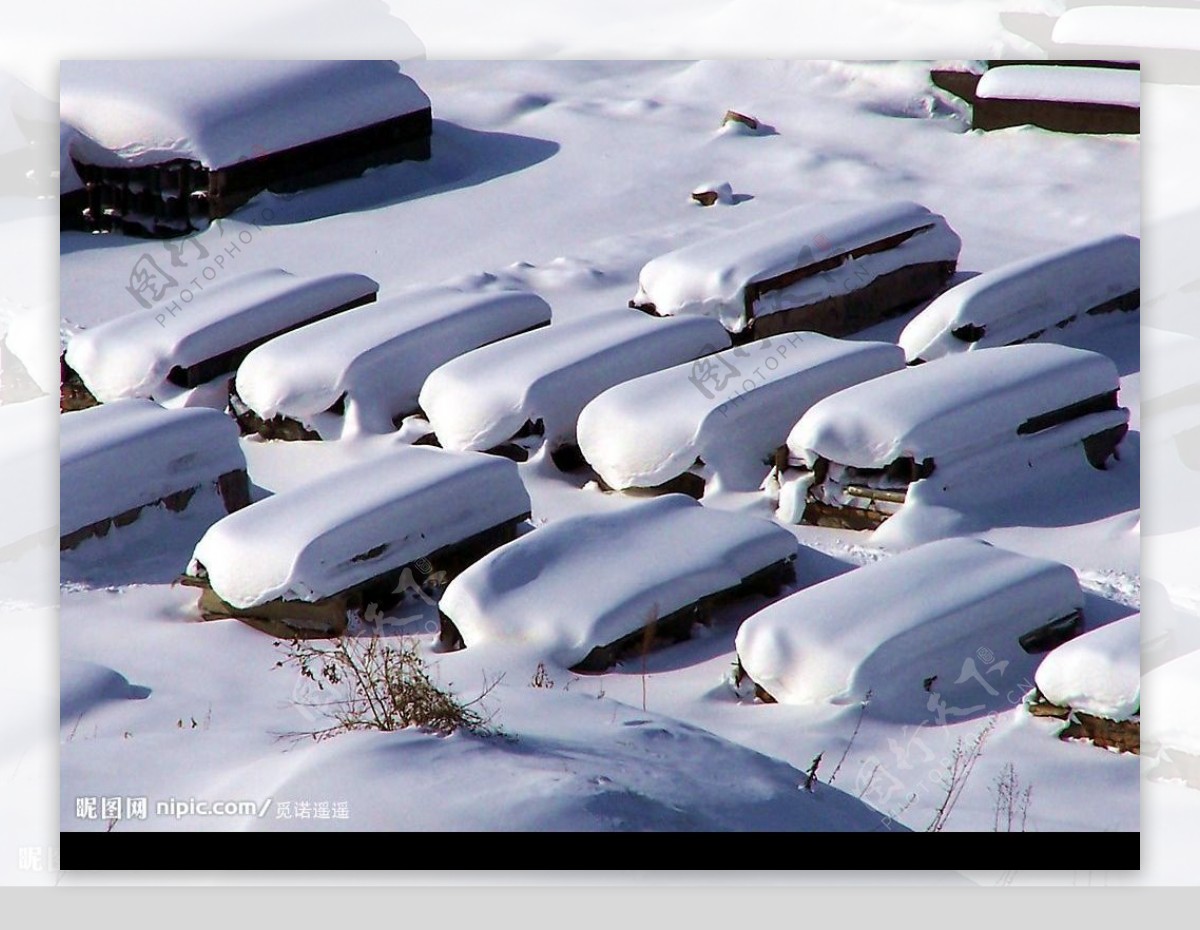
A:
[565,179]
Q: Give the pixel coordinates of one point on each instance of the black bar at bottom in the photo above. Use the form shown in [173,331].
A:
[146,851]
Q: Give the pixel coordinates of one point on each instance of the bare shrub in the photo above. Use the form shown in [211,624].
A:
[958,772]
[1012,802]
[369,683]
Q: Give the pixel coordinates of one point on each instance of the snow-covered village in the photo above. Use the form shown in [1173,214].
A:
[606,446]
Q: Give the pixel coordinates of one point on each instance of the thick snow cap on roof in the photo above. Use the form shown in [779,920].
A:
[1098,673]
[132,355]
[951,406]
[710,277]
[1111,86]
[895,622]
[483,398]
[731,410]
[378,355]
[129,453]
[220,113]
[1017,300]
[309,542]
[587,581]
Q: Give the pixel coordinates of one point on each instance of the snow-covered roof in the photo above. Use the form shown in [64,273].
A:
[1120,87]
[894,623]
[347,527]
[1098,673]
[1133,27]
[1013,302]
[131,356]
[483,398]
[378,355]
[587,581]
[949,407]
[223,112]
[732,410]
[130,453]
[710,277]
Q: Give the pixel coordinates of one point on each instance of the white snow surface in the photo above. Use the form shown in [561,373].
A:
[306,544]
[651,429]
[29,436]
[1098,673]
[710,277]
[377,355]
[1132,26]
[949,407]
[582,582]
[1119,87]
[129,453]
[1172,694]
[132,355]
[891,625]
[28,351]
[1017,300]
[484,397]
[223,112]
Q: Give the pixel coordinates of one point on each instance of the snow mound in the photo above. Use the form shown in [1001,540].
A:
[356,523]
[893,625]
[86,685]
[377,356]
[616,571]
[483,398]
[612,768]
[1098,673]
[1014,302]
[130,453]
[953,406]
[731,410]
[133,355]
[1107,86]
[223,112]
[710,277]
